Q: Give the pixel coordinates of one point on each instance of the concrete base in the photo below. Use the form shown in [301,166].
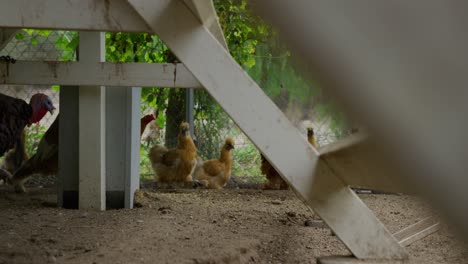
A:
[353,260]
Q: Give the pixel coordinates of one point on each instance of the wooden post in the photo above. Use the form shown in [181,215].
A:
[122,145]
[92,128]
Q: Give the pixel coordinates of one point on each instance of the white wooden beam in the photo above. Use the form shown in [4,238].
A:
[98,73]
[92,129]
[95,15]
[268,128]
[417,231]
[350,219]
[206,13]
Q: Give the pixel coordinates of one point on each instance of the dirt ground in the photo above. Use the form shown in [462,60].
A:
[196,226]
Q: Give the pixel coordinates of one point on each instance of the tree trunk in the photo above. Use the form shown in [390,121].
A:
[175,114]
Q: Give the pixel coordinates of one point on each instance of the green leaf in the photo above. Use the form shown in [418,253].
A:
[19,36]
[34,41]
[56,88]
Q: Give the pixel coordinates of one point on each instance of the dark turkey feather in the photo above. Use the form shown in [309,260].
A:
[14,116]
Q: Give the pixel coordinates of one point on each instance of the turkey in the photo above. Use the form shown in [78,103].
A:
[15,114]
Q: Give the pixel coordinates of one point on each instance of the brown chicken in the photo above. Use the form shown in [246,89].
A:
[45,160]
[215,173]
[178,164]
[275,182]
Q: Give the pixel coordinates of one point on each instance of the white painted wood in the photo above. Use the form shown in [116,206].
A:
[132,182]
[351,220]
[98,73]
[268,128]
[96,15]
[358,162]
[92,132]
[206,13]
[417,231]
[122,145]
[68,166]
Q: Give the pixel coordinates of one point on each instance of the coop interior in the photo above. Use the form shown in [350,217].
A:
[231,206]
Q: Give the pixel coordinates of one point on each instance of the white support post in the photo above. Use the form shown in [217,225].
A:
[122,145]
[92,128]
[132,181]
[269,129]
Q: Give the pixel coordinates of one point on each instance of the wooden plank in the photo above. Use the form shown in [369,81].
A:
[268,128]
[98,73]
[417,231]
[338,206]
[123,115]
[92,129]
[358,162]
[95,15]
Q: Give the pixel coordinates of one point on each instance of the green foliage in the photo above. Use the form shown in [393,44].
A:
[247,161]
[34,133]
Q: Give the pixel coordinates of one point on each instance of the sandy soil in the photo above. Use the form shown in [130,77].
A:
[196,226]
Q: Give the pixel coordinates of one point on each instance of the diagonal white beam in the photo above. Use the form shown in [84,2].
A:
[267,126]
[206,13]
[98,73]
